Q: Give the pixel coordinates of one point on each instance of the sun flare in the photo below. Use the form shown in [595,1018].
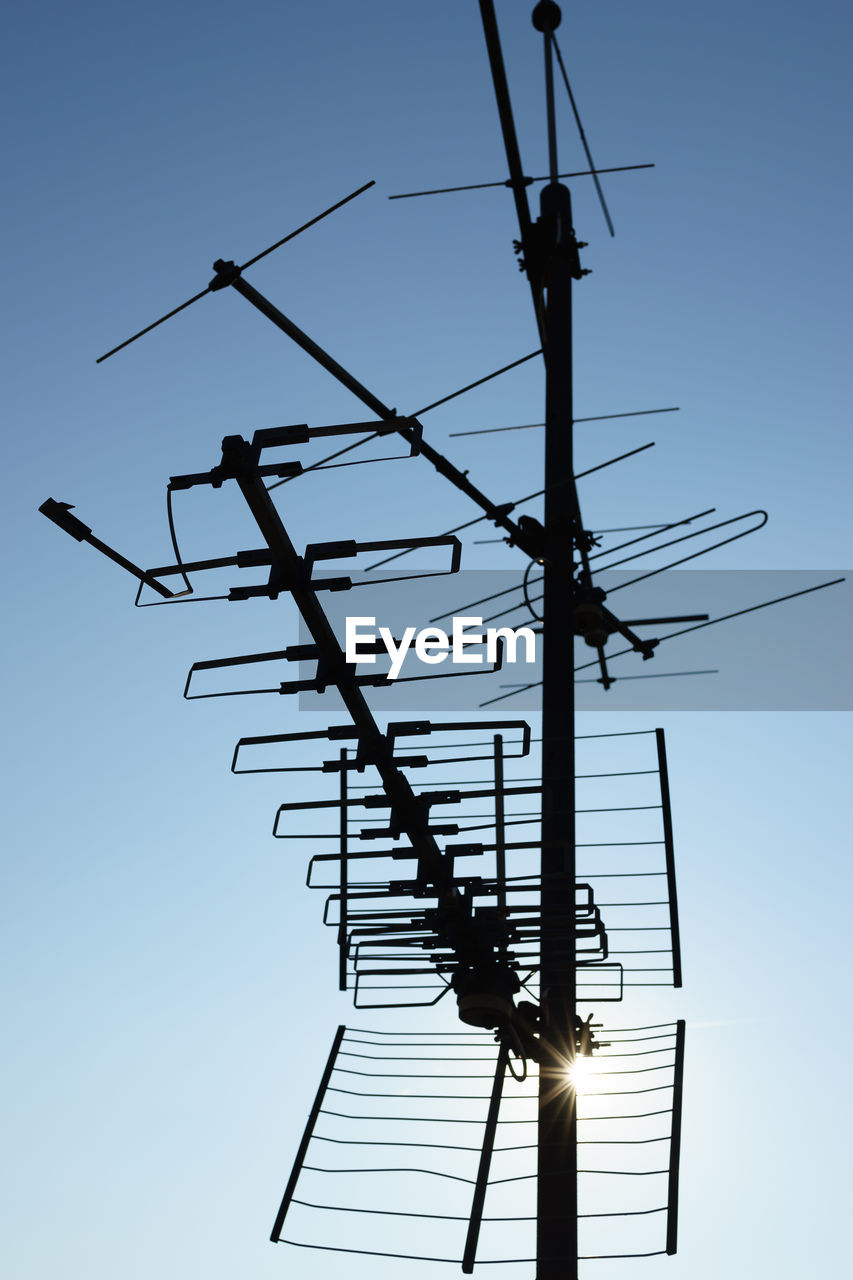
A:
[581,1073]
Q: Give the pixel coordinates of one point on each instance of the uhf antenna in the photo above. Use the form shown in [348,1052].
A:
[528,875]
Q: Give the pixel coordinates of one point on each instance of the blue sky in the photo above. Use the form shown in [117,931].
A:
[163,1046]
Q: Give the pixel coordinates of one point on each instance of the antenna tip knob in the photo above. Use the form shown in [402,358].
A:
[546,16]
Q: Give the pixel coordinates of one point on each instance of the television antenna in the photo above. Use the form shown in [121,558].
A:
[504,919]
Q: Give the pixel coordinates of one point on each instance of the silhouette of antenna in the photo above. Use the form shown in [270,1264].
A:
[524,876]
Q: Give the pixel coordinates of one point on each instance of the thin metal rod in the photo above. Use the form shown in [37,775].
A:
[662,622]
[610,461]
[674,932]
[549,105]
[528,426]
[170,517]
[589,158]
[754,608]
[500,832]
[675,1141]
[251,262]
[310,223]
[482,1182]
[307,1134]
[652,675]
[344,877]
[471,385]
[481,186]
[142,332]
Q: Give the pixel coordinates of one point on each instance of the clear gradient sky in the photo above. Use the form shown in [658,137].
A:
[162,1047]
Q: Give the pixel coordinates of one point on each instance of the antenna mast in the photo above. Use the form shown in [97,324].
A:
[557,266]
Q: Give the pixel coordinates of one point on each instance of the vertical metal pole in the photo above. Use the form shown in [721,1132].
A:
[344,881]
[557,1208]
[557,1192]
[557,1203]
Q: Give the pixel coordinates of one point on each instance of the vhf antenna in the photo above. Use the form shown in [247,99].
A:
[451,861]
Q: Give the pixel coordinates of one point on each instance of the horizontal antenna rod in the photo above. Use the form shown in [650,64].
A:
[650,675]
[481,186]
[599,417]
